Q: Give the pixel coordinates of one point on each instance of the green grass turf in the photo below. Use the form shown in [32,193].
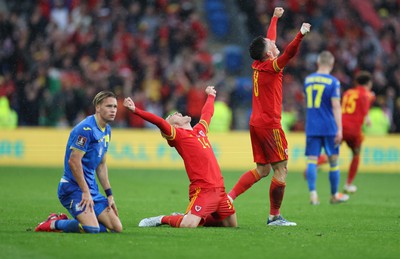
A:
[368,226]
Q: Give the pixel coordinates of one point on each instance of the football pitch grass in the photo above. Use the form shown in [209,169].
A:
[367,226]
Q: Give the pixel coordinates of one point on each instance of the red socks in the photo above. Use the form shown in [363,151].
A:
[276,192]
[322,159]
[244,183]
[353,169]
[172,220]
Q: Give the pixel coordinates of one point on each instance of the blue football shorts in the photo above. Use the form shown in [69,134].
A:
[314,145]
[70,195]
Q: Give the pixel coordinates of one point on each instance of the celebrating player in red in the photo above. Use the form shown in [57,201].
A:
[267,137]
[209,203]
[355,106]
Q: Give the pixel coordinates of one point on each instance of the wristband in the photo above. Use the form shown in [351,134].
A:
[108,192]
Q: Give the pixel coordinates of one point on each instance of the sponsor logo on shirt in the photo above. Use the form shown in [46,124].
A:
[87,128]
[197,208]
[202,133]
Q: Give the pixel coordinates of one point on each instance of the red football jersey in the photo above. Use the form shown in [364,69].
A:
[355,106]
[198,156]
[267,87]
[194,147]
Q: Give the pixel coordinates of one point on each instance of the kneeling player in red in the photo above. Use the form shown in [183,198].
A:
[209,203]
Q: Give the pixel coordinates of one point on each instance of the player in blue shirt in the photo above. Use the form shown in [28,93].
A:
[85,157]
[323,125]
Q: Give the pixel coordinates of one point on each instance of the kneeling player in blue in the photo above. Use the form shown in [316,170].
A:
[78,191]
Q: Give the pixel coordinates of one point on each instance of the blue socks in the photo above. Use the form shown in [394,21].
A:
[103,228]
[311,174]
[93,230]
[334,178]
[73,226]
[68,225]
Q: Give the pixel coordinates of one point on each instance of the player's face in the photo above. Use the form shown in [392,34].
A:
[177,119]
[107,109]
[271,48]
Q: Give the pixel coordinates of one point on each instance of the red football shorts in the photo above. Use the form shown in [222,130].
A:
[269,145]
[215,201]
[353,140]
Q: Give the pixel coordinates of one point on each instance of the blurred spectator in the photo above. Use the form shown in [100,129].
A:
[288,119]
[195,101]
[379,120]
[59,14]
[222,119]
[8,117]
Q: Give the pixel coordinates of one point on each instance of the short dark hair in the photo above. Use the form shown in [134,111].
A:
[363,77]
[98,99]
[257,48]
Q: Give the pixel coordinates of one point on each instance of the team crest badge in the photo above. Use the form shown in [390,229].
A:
[197,208]
[78,208]
[81,141]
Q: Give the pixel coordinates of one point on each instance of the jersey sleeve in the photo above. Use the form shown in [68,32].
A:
[271,32]
[81,138]
[166,129]
[290,51]
[336,90]
[365,103]
[207,112]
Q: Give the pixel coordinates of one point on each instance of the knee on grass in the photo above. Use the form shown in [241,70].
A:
[117,228]
[91,229]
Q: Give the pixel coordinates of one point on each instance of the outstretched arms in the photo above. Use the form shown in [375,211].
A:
[175,120]
[271,32]
[293,47]
[164,126]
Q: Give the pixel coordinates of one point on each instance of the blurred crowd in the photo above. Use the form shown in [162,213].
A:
[55,55]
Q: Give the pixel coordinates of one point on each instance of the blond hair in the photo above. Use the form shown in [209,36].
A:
[326,58]
[98,99]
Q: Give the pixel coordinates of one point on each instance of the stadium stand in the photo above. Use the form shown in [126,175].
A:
[56,54]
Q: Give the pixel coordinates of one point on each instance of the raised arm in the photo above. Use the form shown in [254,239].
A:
[164,126]
[208,109]
[271,32]
[293,47]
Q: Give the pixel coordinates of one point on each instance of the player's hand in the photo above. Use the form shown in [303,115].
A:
[338,138]
[112,205]
[305,28]
[278,12]
[86,202]
[211,90]
[128,103]
[368,121]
